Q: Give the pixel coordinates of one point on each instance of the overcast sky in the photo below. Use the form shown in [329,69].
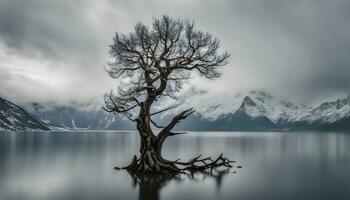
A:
[56,50]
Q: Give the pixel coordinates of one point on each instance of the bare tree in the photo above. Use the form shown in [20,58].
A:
[154,63]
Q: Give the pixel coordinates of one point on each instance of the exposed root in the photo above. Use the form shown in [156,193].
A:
[151,164]
[197,164]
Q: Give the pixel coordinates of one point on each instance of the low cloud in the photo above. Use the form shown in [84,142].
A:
[56,51]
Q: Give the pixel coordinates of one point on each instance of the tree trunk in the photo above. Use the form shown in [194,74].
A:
[151,160]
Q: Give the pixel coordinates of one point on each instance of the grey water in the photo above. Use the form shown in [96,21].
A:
[79,165]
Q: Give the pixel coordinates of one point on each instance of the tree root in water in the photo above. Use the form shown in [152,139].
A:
[152,164]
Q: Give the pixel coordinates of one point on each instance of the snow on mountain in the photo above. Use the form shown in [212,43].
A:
[260,103]
[328,112]
[14,118]
[254,104]
[259,110]
[251,111]
[79,116]
[286,115]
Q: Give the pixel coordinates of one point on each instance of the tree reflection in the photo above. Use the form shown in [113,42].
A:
[150,185]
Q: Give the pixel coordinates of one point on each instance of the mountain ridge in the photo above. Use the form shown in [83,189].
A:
[15,118]
[260,111]
[255,111]
[87,116]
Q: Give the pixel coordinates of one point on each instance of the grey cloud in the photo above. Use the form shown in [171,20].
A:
[293,48]
[57,29]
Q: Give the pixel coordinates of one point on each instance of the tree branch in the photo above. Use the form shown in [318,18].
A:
[155,124]
[160,111]
[166,131]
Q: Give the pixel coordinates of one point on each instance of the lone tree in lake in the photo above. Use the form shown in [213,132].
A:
[154,63]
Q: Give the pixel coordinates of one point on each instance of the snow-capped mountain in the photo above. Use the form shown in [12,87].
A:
[87,116]
[333,115]
[328,112]
[14,118]
[258,104]
[252,111]
[256,111]
[259,111]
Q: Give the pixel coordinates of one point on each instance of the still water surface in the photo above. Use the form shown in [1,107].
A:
[79,165]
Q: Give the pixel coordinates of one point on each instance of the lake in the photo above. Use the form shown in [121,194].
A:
[79,165]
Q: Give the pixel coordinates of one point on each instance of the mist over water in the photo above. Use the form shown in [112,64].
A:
[79,165]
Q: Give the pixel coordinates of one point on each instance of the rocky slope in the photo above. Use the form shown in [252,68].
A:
[15,118]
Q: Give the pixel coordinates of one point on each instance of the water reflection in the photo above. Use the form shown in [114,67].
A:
[149,186]
[57,166]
